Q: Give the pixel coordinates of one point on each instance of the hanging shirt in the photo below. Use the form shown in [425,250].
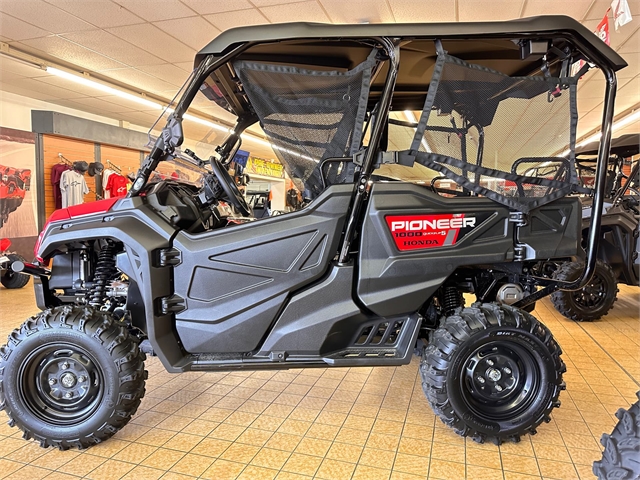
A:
[117,185]
[73,188]
[105,180]
[56,175]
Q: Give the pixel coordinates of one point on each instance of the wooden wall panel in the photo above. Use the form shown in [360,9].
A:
[127,160]
[74,150]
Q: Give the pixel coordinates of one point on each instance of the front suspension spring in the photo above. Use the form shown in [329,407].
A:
[105,271]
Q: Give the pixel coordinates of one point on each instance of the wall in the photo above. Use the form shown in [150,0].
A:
[15,112]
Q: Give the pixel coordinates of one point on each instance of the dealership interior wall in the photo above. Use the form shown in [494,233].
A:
[95,63]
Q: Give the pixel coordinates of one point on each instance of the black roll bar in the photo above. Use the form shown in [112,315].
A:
[368,163]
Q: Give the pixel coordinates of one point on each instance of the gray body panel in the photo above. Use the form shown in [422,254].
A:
[236,280]
[391,282]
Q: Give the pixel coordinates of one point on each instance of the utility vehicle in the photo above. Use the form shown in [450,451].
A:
[14,183]
[618,260]
[370,269]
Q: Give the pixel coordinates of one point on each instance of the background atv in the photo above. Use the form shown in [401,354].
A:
[14,183]
[9,278]
[618,260]
[369,270]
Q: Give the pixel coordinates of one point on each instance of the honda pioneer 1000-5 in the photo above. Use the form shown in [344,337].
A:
[362,117]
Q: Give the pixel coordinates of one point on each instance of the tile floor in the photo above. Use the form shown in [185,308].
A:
[334,424]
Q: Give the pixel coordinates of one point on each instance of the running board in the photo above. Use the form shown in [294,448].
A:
[380,342]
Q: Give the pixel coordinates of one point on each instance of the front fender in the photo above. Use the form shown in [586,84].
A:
[143,233]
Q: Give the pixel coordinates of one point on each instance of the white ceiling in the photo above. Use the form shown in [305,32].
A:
[149,45]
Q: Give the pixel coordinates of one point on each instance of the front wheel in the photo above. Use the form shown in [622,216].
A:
[71,377]
[492,372]
[592,301]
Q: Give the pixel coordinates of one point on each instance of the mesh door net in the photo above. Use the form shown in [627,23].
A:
[308,115]
[499,136]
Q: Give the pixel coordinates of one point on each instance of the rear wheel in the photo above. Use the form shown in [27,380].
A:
[492,372]
[591,302]
[621,456]
[11,279]
[71,377]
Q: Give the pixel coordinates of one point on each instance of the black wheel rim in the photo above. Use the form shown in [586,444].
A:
[593,295]
[500,380]
[61,384]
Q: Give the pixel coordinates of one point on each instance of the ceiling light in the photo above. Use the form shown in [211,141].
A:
[103,88]
[616,126]
[412,118]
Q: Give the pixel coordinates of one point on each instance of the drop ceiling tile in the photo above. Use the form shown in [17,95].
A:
[186,66]
[224,21]
[111,46]
[43,15]
[408,11]
[631,44]
[25,92]
[481,10]
[143,119]
[204,7]
[309,11]
[138,80]
[103,105]
[573,8]
[101,13]
[155,41]
[155,10]
[194,31]
[168,72]
[63,49]
[268,3]
[16,29]
[372,11]
[628,95]
[9,77]
[57,92]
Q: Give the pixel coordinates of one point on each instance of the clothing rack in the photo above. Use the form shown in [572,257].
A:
[68,162]
[65,160]
[114,166]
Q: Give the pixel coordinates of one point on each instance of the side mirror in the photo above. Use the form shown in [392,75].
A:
[172,134]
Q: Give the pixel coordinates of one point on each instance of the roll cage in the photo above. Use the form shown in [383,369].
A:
[557,40]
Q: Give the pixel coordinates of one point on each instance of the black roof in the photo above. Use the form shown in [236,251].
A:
[532,27]
[624,146]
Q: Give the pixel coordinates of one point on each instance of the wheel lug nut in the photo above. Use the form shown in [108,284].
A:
[480,379]
[81,378]
[68,395]
[507,370]
[52,381]
[64,366]
[498,388]
[490,362]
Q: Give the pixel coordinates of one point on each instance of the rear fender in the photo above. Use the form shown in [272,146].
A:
[143,233]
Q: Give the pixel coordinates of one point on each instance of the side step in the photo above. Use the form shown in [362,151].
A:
[382,341]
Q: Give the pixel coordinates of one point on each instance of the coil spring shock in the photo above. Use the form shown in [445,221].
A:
[104,272]
[451,299]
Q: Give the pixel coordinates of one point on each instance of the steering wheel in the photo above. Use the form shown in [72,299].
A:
[230,188]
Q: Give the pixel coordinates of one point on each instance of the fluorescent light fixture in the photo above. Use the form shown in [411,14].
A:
[616,126]
[412,118]
[103,88]
[202,121]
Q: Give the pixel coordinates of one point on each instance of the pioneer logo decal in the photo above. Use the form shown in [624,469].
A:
[414,232]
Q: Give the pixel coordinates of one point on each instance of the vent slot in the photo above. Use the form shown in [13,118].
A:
[364,335]
[395,332]
[378,337]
